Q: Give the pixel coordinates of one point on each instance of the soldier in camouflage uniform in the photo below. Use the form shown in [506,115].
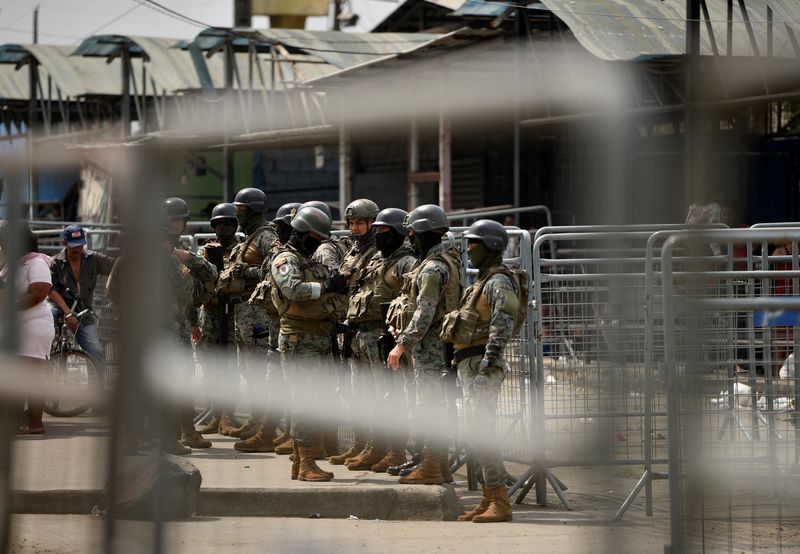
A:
[359,216]
[310,300]
[418,314]
[332,250]
[238,281]
[480,330]
[215,310]
[283,223]
[379,284]
[201,274]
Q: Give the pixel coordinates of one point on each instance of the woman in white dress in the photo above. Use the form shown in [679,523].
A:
[34,319]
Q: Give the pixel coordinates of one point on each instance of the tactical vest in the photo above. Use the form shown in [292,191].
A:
[244,252]
[207,294]
[379,284]
[307,315]
[403,307]
[262,294]
[355,263]
[469,324]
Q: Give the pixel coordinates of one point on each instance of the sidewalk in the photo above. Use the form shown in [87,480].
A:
[234,483]
[61,475]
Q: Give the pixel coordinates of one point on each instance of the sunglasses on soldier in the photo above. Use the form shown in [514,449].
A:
[225,223]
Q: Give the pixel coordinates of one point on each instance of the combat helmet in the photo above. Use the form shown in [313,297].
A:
[362,208]
[393,218]
[428,217]
[490,233]
[314,220]
[175,208]
[286,212]
[318,205]
[223,211]
[253,198]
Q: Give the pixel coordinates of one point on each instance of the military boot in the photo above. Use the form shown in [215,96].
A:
[499,507]
[227,424]
[479,509]
[295,462]
[261,441]
[355,450]
[249,428]
[283,437]
[210,427]
[309,471]
[189,435]
[369,457]
[428,472]
[395,456]
[406,467]
[287,447]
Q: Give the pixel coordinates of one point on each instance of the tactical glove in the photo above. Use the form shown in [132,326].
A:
[337,283]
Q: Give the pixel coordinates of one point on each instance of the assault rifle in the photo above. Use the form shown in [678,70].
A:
[215,253]
[386,341]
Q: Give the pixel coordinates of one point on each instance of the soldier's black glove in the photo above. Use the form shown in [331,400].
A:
[337,283]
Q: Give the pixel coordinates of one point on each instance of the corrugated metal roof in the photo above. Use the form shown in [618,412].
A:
[624,30]
[347,49]
[73,76]
[480,8]
[13,83]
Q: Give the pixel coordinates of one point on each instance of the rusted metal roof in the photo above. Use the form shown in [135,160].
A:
[625,30]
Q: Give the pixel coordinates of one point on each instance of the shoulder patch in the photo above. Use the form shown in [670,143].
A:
[281,261]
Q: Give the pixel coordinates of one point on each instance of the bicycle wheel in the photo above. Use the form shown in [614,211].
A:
[74,373]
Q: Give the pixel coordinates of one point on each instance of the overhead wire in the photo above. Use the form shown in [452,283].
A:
[115,19]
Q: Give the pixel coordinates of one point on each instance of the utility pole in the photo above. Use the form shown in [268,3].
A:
[337,11]
[36,24]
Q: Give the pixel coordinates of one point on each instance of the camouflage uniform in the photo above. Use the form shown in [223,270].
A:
[248,318]
[305,335]
[381,282]
[330,253]
[210,312]
[493,301]
[365,350]
[424,288]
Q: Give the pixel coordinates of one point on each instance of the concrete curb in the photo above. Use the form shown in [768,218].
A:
[398,502]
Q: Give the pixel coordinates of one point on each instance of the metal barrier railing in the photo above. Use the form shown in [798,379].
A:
[594,399]
[732,395]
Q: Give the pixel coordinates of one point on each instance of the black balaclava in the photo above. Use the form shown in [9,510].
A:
[388,242]
[483,258]
[250,220]
[284,231]
[423,242]
[305,243]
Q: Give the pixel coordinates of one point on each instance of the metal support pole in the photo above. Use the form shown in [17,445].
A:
[345,183]
[445,159]
[33,173]
[227,153]
[337,11]
[36,24]
[691,128]
[413,164]
[125,108]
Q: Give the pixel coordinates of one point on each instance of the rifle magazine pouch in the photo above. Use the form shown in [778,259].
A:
[230,283]
[459,326]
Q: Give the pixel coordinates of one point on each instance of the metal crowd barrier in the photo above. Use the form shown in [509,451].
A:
[730,325]
[594,403]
